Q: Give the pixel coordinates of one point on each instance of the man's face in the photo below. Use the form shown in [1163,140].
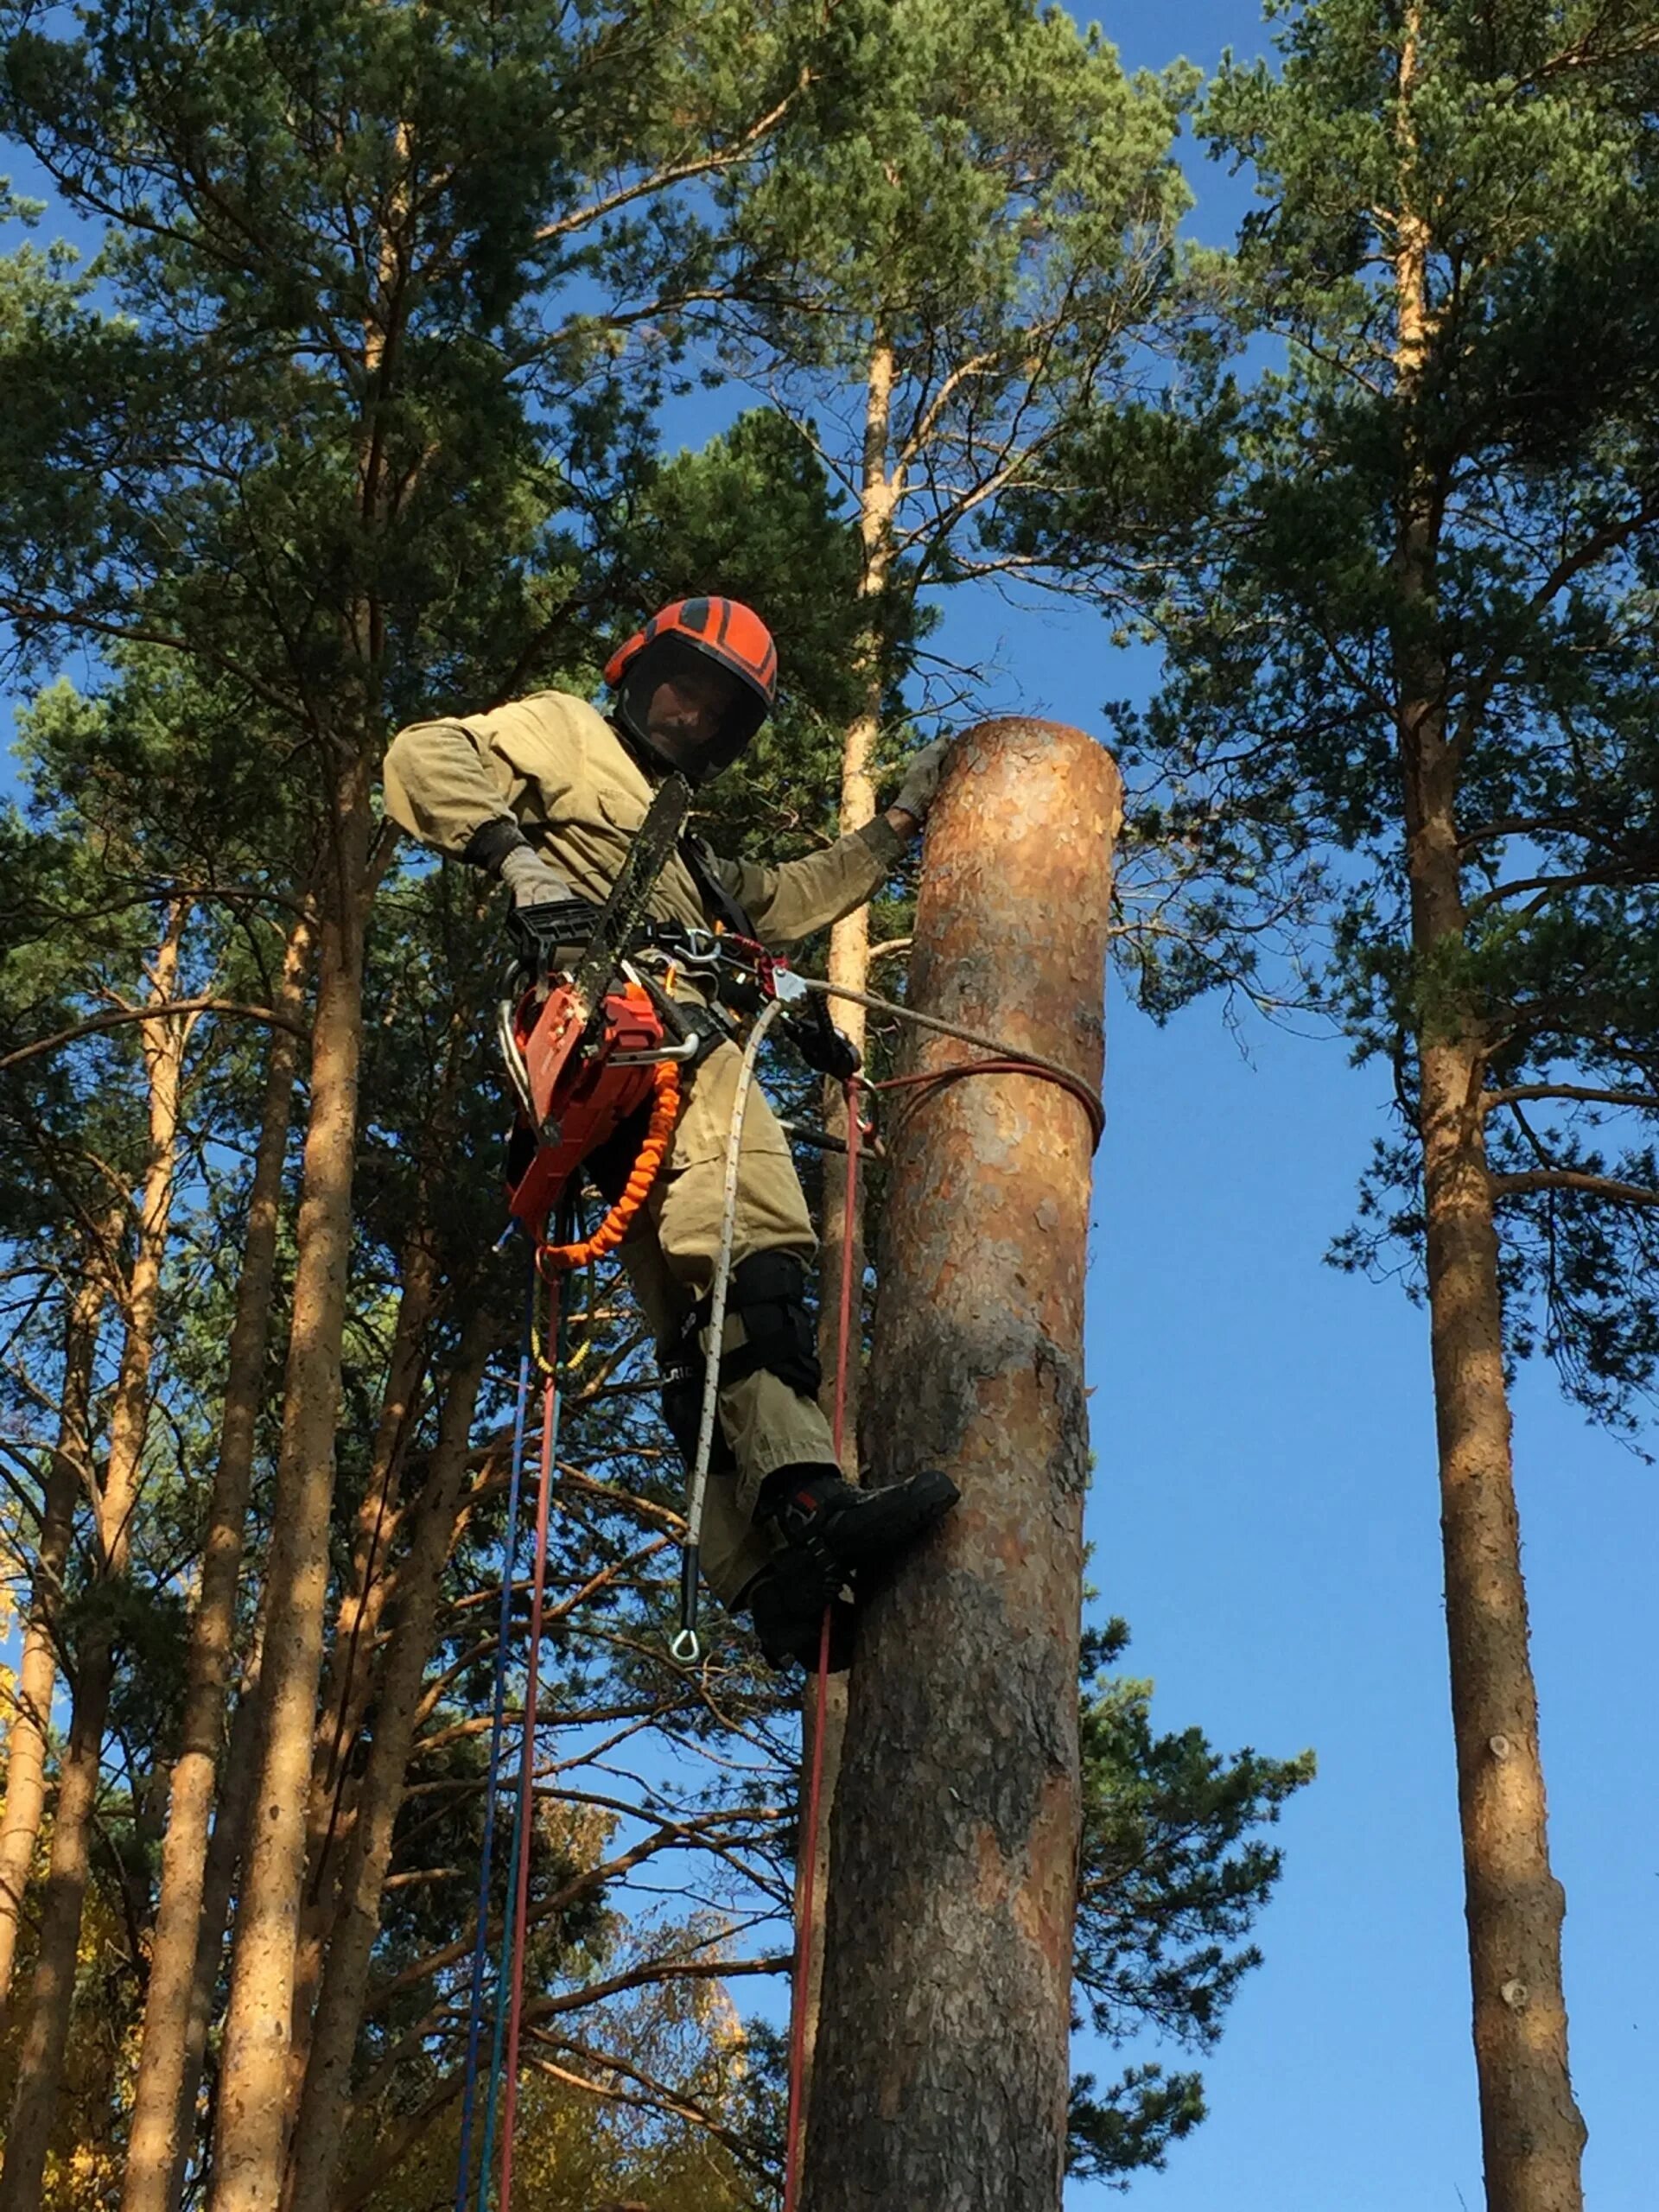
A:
[688,712]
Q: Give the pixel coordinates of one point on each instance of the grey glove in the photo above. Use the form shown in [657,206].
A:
[532,880]
[921,782]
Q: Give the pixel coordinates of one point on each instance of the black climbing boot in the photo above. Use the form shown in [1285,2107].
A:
[787,1602]
[850,1533]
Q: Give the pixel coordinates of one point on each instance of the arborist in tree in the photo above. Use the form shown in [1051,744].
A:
[547,794]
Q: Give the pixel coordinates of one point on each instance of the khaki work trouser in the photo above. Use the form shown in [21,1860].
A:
[670,1255]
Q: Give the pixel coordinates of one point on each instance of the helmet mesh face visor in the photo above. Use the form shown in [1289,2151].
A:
[661,662]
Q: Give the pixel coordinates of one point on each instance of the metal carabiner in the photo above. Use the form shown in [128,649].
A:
[700,948]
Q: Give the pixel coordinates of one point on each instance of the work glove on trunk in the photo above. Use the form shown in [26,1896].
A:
[921,784]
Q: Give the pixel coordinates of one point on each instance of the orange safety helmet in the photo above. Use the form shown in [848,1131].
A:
[688,635]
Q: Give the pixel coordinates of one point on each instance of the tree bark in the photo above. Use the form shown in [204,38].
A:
[37,1670]
[231,1818]
[325,2105]
[348,1673]
[248,2157]
[1532,2133]
[942,2075]
[159,2115]
[40,2064]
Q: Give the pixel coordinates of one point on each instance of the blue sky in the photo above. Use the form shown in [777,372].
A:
[1265,1515]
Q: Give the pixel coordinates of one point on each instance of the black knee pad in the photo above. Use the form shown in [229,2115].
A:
[768,1291]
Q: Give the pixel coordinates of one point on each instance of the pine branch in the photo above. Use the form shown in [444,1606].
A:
[1584,1094]
[162,1011]
[648,2096]
[581,218]
[1607,1187]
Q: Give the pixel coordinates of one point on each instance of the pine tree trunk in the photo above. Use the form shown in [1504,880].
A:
[39,2062]
[253,2076]
[347,1676]
[158,2112]
[41,2067]
[850,966]
[37,1671]
[941,2077]
[225,1851]
[326,2101]
[1532,2133]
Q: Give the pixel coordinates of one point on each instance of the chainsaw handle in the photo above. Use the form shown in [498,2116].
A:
[538,934]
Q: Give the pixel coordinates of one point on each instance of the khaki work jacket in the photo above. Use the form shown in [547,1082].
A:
[552,764]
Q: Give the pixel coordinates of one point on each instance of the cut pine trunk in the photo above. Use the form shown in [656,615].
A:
[948,1956]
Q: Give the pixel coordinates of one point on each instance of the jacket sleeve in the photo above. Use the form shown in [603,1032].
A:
[444,783]
[790,901]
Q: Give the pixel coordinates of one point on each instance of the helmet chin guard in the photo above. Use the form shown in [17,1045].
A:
[691,636]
